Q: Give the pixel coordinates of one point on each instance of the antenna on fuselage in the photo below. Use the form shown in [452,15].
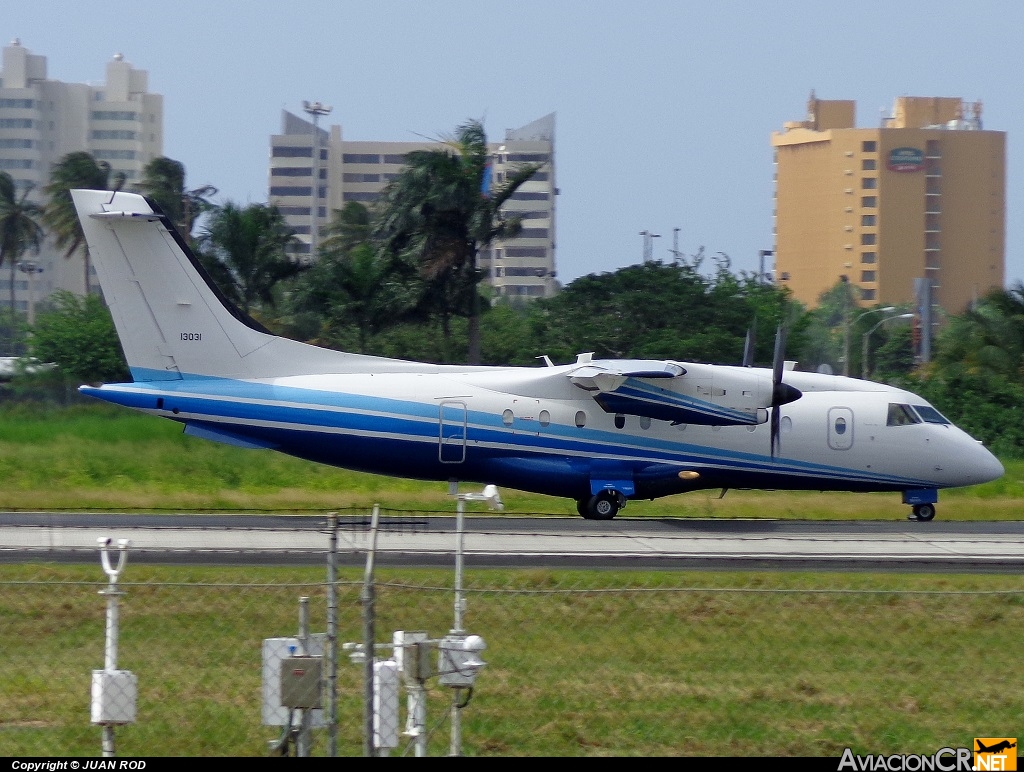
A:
[748,345]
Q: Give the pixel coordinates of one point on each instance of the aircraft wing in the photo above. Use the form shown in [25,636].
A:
[670,391]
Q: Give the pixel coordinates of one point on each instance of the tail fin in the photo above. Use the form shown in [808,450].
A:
[172,320]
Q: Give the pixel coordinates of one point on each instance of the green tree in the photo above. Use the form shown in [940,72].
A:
[78,170]
[20,230]
[977,375]
[439,215]
[663,311]
[78,334]
[245,249]
[163,180]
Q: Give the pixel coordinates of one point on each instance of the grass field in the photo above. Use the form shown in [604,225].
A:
[579,663]
[101,457]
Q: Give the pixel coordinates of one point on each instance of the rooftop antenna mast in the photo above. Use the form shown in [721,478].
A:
[675,244]
[649,245]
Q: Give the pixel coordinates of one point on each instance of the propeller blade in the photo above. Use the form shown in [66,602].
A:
[775,430]
[782,393]
[779,360]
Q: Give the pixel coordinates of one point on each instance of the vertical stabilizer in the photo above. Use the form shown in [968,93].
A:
[172,320]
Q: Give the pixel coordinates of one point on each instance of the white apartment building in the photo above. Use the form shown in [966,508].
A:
[42,120]
[349,170]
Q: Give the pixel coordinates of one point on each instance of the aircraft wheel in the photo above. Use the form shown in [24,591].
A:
[603,506]
[582,507]
[924,512]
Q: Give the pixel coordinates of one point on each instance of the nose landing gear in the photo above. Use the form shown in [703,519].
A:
[922,501]
[924,512]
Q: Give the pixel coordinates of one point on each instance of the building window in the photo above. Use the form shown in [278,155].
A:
[869,257]
[394,159]
[113,134]
[291,171]
[867,276]
[868,294]
[526,252]
[358,196]
[869,202]
[290,191]
[360,158]
[869,183]
[114,115]
[292,152]
[869,146]
[867,219]
[868,238]
[869,164]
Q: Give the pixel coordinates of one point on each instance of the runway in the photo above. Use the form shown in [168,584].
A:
[512,541]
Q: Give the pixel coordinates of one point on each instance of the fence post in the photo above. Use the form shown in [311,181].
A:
[332,636]
[368,636]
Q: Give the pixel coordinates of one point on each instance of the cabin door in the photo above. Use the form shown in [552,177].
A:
[451,438]
[840,428]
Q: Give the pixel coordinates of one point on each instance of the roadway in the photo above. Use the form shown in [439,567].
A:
[513,541]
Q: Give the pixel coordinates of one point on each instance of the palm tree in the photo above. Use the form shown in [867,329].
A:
[989,339]
[163,180]
[439,213]
[250,244]
[78,170]
[19,225]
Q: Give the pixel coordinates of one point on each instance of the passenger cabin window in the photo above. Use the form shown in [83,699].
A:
[901,415]
[931,415]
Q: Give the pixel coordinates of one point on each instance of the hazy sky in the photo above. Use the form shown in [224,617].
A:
[664,109]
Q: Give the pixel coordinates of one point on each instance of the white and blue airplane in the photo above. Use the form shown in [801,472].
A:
[602,432]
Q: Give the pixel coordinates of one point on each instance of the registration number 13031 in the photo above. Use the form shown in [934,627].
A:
[191,336]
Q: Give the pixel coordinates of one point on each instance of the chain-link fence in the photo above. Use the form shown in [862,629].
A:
[578,662]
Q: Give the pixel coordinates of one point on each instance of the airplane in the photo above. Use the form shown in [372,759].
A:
[602,432]
[1002,745]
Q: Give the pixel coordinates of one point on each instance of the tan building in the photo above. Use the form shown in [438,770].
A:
[922,196]
[349,170]
[41,120]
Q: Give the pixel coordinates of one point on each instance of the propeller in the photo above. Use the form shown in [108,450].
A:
[782,393]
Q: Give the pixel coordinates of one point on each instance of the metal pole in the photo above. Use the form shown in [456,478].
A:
[305,740]
[368,636]
[455,745]
[113,622]
[332,635]
[460,602]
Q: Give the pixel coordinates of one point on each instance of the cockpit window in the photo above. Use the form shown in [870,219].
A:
[901,415]
[931,415]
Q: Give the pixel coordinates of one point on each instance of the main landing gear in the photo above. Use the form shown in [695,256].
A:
[604,506]
[924,512]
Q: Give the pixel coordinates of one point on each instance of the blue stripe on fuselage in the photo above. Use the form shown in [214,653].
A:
[350,430]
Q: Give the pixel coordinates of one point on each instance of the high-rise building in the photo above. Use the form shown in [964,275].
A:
[922,196]
[358,171]
[41,120]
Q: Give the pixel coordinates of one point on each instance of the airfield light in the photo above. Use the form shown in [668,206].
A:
[315,110]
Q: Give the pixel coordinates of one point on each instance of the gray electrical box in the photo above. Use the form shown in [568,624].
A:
[275,652]
[301,684]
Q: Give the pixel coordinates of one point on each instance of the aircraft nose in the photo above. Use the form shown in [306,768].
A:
[978,465]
